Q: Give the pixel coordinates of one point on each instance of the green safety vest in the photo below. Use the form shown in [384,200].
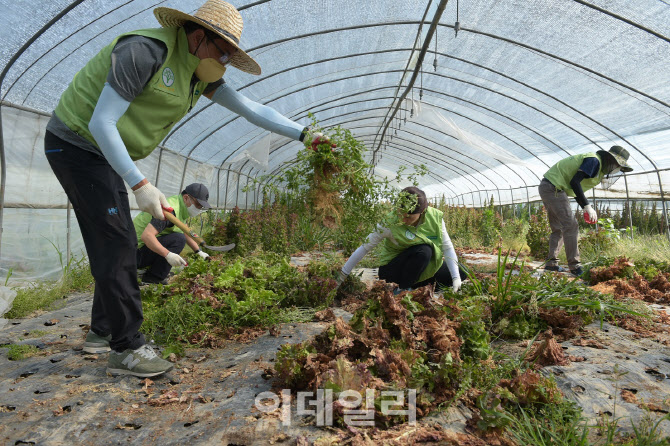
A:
[562,172]
[166,98]
[429,232]
[144,218]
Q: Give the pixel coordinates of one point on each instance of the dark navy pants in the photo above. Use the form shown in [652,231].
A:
[100,202]
[406,268]
[159,268]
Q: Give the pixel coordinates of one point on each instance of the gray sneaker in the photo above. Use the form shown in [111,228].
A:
[96,344]
[142,362]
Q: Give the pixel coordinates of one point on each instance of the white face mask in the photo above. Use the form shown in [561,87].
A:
[192,210]
[616,170]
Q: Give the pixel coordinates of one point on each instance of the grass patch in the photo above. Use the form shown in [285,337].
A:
[643,247]
[20,351]
[42,295]
[35,334]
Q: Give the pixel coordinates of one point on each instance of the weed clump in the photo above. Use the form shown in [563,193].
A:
[211,299]
[18,352]
[650,284]
[397,342]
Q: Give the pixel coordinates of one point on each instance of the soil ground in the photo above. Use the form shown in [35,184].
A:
[63,396]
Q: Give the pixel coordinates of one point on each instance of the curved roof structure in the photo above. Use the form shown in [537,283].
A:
[487,95]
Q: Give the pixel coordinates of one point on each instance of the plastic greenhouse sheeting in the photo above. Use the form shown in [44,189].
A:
[521,85]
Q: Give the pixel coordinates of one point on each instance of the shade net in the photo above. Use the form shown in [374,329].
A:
[519,87]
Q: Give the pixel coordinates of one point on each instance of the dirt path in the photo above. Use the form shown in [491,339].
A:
[63,396]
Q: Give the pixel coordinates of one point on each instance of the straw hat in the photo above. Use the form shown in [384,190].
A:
[219,17]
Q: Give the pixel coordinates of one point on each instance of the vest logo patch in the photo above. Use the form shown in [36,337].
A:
[168,77]
[409,234]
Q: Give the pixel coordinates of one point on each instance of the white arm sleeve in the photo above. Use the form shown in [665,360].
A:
[258,114]
[372,241]
[449,253]
[109,109]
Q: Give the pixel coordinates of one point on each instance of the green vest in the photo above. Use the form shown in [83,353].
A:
[166,98]
[428,232]
[144,218]
[562,172]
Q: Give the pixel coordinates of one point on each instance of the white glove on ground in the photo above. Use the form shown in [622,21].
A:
[341,277]
[593,216]
[175,259]
[202,254]
[150,199]
[456,285]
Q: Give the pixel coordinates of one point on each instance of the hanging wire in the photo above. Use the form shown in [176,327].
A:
[435,60]
[421,86]
[405,110]
[411,113]
[457,25]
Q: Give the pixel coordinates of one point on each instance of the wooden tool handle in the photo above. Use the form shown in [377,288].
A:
[178,223]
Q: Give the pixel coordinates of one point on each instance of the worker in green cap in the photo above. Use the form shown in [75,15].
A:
[160,242]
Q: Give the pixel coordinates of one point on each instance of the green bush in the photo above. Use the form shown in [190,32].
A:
[537,237]
[490,227]
[595,242]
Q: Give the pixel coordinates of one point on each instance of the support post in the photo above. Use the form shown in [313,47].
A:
[595,206]
[246,195]
[225,194]
[630,215]
[237,189]
[665,211]
[68,241]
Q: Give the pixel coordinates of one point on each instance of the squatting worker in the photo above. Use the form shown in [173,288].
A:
[571,177]
[160,242]
[116,110]
[414,248]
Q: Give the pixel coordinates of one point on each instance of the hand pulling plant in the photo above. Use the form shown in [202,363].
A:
[334,187]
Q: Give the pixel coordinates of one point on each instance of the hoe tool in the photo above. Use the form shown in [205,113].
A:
[189,232]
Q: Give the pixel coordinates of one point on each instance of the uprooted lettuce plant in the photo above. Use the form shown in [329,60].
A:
[393,342]
[208,297]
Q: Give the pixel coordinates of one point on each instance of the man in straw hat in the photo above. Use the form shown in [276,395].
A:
[571,177]
[116,110]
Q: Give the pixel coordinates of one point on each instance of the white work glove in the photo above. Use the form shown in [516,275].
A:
[203,254]
[591,213]
[341,277]
[151,200]
[175,259]
[456,284]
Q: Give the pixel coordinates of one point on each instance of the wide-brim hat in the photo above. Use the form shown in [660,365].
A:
[219,17]
[620,155]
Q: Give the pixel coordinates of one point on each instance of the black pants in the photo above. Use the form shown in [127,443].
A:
[406,268]
[100,202]
[159,268]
